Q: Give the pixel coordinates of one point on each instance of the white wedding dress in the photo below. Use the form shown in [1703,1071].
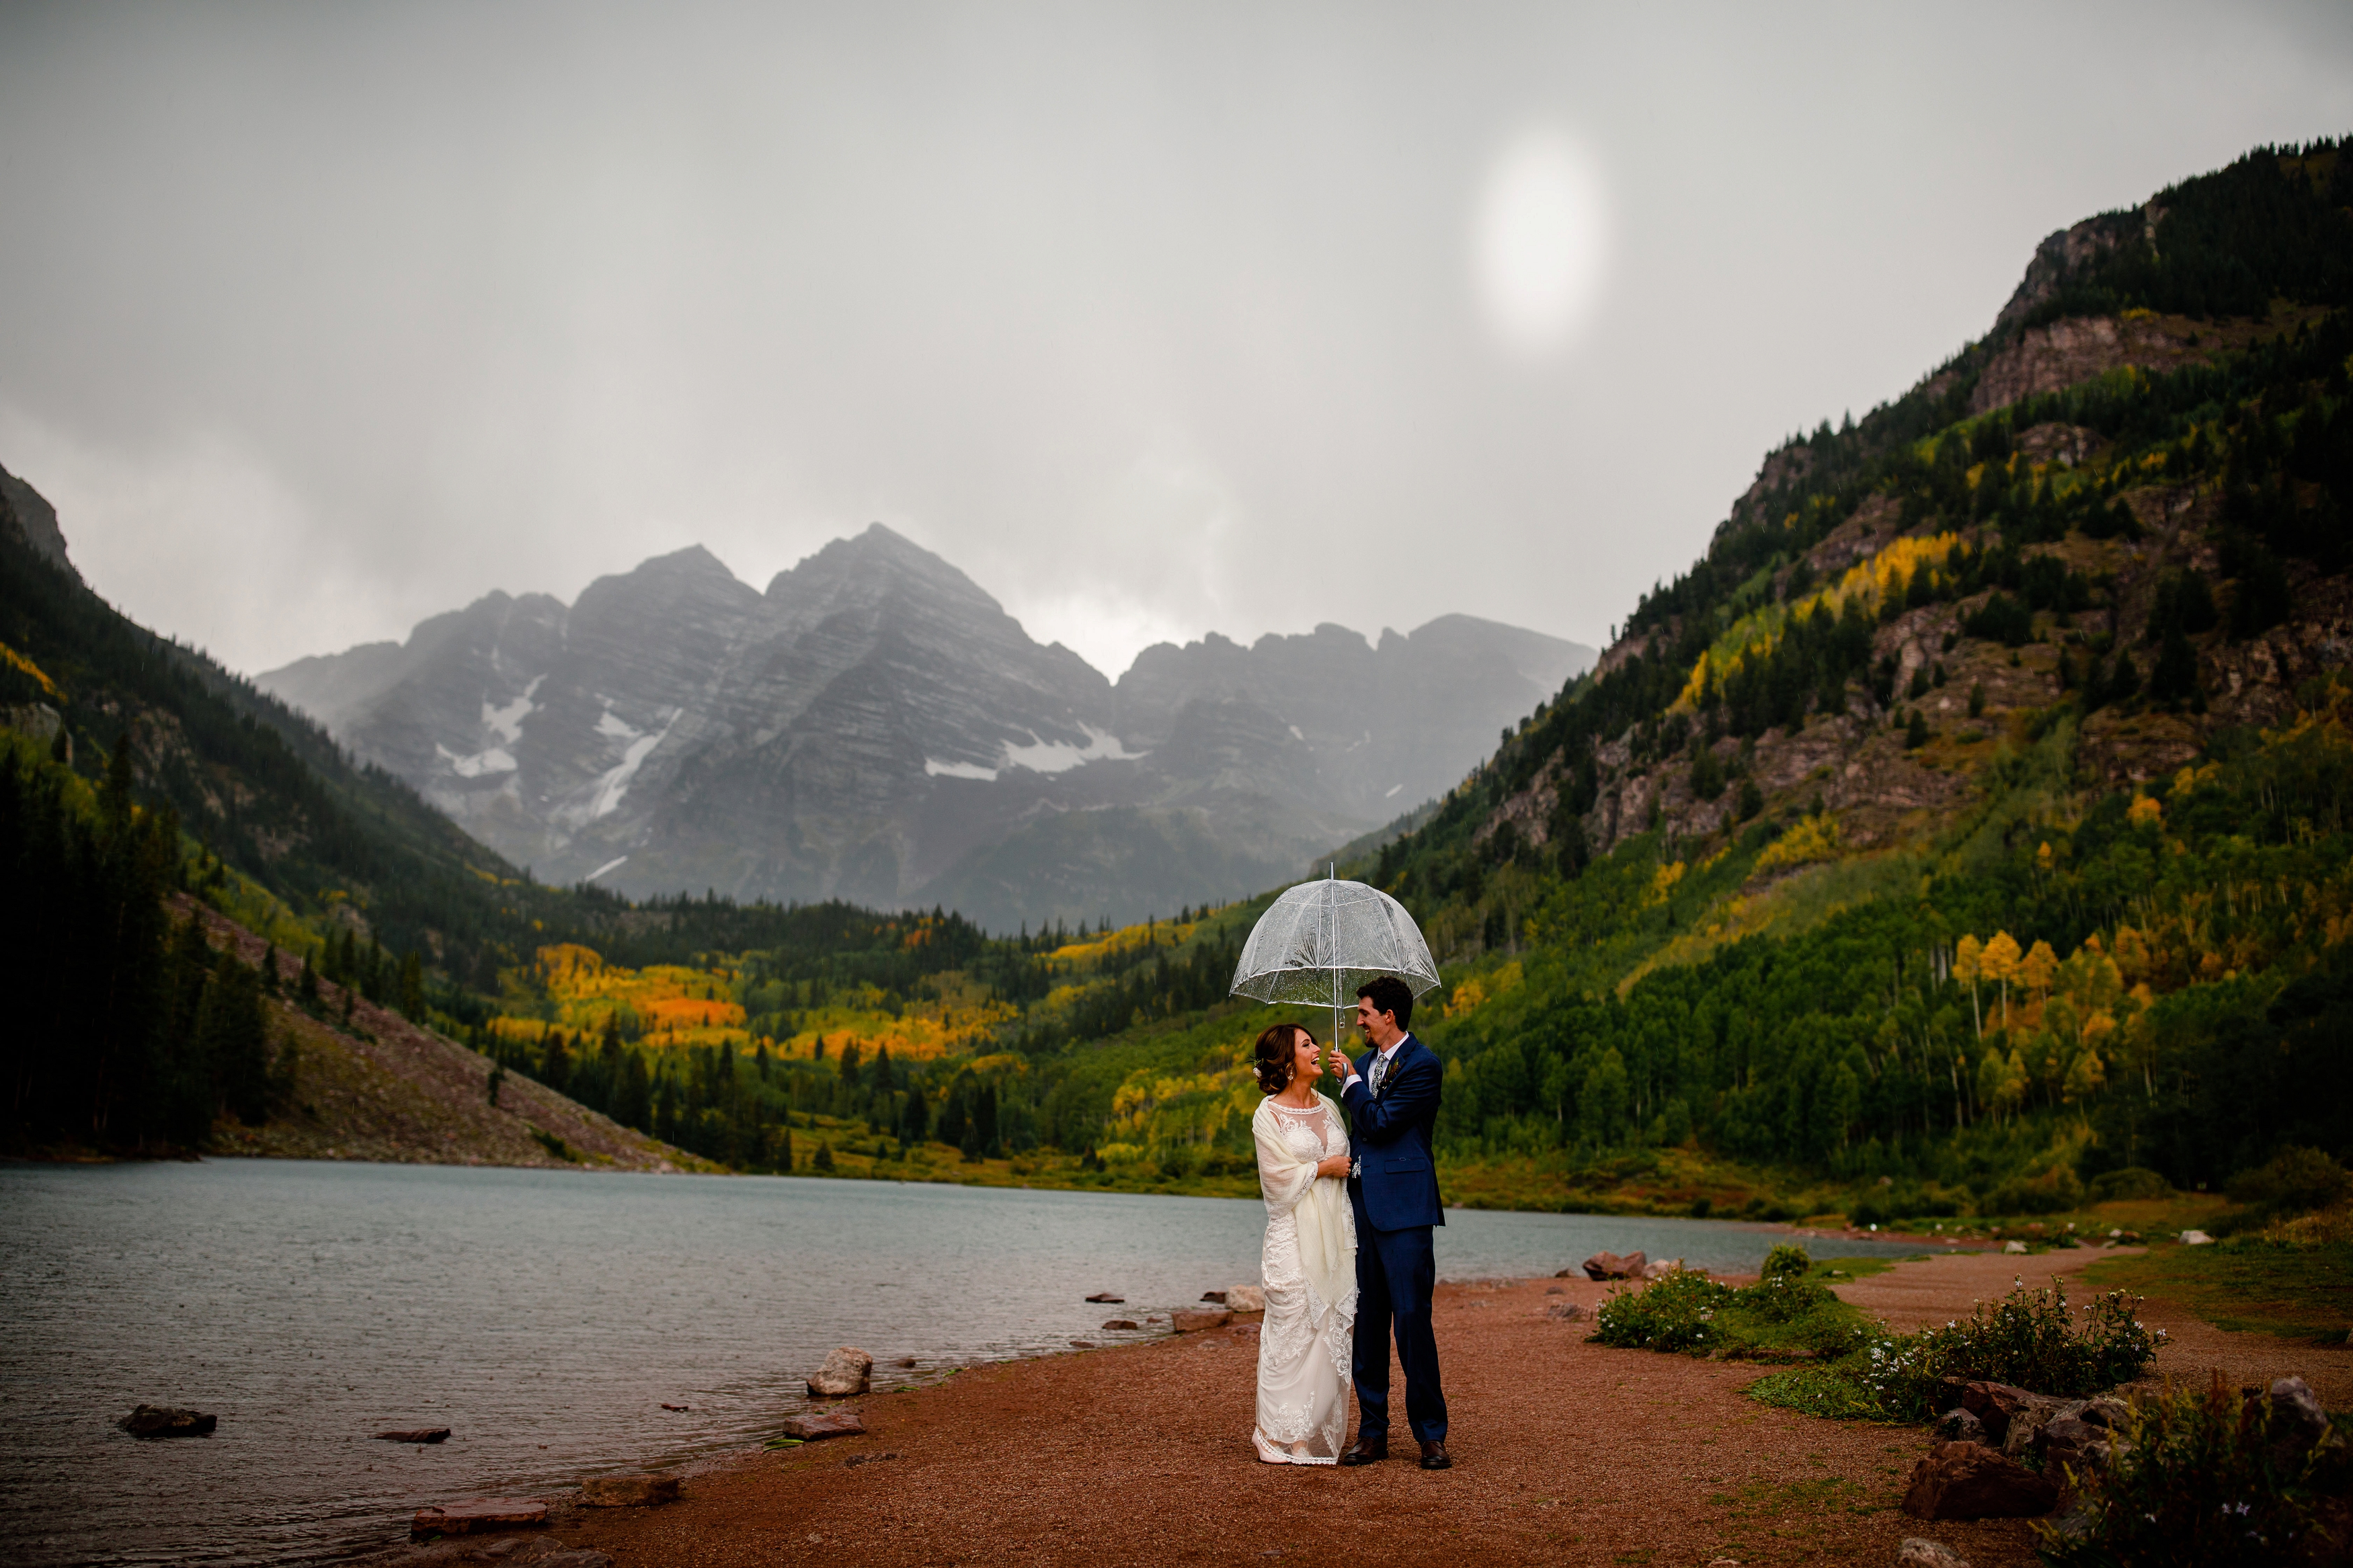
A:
[1309,1266]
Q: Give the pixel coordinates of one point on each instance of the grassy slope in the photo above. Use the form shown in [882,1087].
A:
[2248,1285]
[370,1085]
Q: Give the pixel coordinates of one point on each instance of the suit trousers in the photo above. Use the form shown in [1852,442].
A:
[1396,1271]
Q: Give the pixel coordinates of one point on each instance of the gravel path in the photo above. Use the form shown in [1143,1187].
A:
[1565,1452]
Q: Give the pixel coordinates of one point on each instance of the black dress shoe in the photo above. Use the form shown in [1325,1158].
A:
[1366,1450]
[1433,1458]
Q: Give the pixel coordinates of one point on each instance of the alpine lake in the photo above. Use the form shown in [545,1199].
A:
[560,1324]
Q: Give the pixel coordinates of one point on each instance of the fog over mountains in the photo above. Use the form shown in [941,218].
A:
[875,727]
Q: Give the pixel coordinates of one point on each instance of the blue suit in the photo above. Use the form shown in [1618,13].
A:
[1393,1188]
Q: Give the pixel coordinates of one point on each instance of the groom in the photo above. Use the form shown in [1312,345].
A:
[1391,1094]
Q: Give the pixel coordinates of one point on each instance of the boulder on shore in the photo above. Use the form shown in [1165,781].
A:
[1217,1296]
[1998,1403]
[1958,1425]
[819,1425]
[163,1421]
[1609,1266]
[648,1490]
[1662,1268]
[475,1515]
[847,1371]
[2071,1443]
[1193,1322]
[1566,1311]
[1969,1480]
[1246,1298]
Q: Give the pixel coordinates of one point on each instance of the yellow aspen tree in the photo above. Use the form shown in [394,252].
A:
[1966,958]
[2038,967]
[1998,963]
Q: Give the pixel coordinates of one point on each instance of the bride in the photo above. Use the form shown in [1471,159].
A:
[1309,1263]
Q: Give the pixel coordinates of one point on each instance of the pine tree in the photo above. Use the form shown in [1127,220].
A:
[1916,732]
[412,988]
[554,1062]
[232,1040]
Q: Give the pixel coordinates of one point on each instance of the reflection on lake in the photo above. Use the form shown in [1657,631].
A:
[545,1318]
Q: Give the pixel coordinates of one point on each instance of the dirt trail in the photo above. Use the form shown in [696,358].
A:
[1565,1452]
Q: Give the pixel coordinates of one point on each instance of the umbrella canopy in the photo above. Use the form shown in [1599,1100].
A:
[1322,940]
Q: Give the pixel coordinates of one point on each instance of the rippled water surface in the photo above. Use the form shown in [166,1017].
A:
[545,1318]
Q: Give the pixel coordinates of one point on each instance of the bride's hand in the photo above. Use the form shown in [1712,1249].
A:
[1334,1165]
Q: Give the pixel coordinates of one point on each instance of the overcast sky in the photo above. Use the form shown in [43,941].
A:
[316,320]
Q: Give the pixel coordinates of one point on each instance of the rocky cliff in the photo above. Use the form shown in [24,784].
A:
[875,727]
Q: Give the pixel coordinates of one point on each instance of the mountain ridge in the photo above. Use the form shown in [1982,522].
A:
[874,726]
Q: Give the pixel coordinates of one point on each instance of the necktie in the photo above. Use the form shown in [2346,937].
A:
[1380,1072]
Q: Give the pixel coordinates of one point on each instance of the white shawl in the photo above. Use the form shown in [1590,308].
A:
[1327,1253]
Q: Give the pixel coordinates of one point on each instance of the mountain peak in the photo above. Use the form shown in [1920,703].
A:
[874,561]
[34,518]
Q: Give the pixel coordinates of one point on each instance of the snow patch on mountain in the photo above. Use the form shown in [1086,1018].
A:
[497,760]
[613,783]
[506,723]
[937,769]
[1061,756]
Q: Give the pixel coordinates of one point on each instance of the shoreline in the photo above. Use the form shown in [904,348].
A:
[1565,1450]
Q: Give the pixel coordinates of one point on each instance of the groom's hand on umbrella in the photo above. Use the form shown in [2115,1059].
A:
[1340,1069]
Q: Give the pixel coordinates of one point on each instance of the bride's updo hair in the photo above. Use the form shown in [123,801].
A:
[1275,1059]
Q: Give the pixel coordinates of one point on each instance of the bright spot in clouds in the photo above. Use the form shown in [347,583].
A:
[1539,240]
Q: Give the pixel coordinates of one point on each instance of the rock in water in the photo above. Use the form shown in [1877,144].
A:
[1192,1322]
[1918,1553]
[416,1434]
[1118,1323]
[1246,1298]
[1969,1480]
[1217,1296]
[649,1491]
[1105,1297]
[847,1371]
[475,1515]
[822,1424]
[162,1421]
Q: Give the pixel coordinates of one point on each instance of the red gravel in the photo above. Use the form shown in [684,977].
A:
[1564,1452]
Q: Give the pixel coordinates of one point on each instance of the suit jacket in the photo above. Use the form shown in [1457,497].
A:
[1395,1181]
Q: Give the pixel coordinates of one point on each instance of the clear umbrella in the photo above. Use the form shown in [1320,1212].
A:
[1322,940]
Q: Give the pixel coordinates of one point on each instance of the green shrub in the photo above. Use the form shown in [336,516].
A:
[1818,1390]
[2296,1180]
[2053,1192]
[2132,1182]
[2028,1338]
[1786,1257]
[2212,1478]
[1676,1312]
[1783,1314]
